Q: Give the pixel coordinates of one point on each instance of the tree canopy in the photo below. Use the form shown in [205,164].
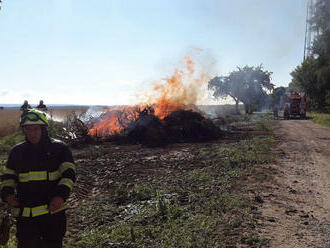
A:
[276,96]
[249,85]
[313,75]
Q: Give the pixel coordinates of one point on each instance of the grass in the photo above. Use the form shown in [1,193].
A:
[260,118]
[263,126]
[319,118]
[200,208]
[206,205]
[243,153]
[163,223]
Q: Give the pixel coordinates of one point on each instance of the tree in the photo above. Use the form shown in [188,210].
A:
[321,24]
[277,94]
[249,85]
[313,75]
[304,79]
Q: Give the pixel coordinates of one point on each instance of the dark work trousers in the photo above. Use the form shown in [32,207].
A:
[45,231]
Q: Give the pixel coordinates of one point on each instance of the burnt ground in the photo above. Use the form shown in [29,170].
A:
[110,171]
[296,200]
[287,198]
[283,201]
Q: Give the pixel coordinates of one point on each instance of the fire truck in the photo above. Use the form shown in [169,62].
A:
[294,105]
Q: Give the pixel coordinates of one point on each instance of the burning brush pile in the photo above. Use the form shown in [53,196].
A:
[150,130]
[170,114]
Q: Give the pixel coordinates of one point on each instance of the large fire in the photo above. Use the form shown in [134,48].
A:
[177,92]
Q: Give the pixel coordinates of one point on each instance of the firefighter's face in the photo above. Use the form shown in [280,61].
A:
[33,133]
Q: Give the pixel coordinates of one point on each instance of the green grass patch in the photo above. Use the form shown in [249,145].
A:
[264,126]
[139,192]
[254,119]
[202,207]
[161,223]
[319,118]
[243,153]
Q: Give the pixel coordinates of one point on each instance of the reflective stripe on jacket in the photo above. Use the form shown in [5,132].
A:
[35,211]
[38,175]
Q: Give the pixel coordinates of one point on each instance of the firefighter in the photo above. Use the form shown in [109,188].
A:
[42,106]
[38,179]
[25,107]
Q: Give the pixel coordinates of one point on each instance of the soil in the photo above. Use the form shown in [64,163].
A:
[293,199]
[102,168]
[296,201]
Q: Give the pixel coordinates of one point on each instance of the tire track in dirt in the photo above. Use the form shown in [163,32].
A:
[296,208]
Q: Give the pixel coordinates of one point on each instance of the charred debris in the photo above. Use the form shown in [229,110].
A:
[181,126]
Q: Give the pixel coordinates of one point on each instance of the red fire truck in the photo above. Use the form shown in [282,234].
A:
[294,105]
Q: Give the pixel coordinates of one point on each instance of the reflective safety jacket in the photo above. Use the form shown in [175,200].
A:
[37,174]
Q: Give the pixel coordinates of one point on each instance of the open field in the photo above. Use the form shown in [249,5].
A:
[182,195]
[262,184]
[8,121]
[9,118]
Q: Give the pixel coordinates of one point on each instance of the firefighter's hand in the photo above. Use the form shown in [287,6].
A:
[55,203]
[12,201]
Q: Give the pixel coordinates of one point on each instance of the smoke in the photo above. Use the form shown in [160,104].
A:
[181,90]
[3,93]
[186,85]
[92,113]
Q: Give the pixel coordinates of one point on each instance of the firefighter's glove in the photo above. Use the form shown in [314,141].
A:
[55,203]
[12,201]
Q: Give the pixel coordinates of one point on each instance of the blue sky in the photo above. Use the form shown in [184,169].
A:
[108,51]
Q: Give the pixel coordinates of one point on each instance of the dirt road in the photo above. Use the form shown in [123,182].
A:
[296,207]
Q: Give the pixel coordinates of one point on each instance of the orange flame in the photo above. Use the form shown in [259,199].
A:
[170,94]
[113,121]
[105,127]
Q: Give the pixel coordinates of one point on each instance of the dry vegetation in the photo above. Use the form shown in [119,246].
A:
[182,195]
[9,118]
[8,121]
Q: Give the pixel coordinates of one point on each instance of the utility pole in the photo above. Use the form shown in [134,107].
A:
[309,33]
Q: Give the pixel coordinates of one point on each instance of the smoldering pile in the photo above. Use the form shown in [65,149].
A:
[179,126]
[167,115]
